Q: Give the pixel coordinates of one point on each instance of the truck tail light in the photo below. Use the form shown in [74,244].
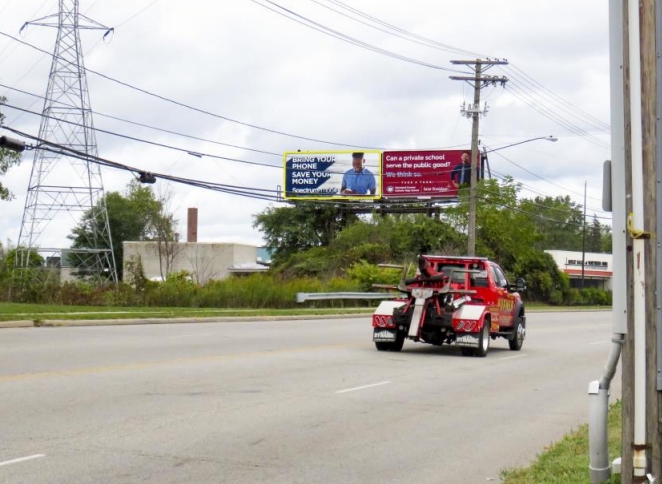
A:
[382,321]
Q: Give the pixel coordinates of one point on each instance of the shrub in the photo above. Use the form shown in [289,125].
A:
[590,296]
[366,275]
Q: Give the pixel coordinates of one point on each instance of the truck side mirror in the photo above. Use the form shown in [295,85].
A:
[519,286]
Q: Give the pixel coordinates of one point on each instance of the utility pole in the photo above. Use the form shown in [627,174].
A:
[641,396]
[479,81]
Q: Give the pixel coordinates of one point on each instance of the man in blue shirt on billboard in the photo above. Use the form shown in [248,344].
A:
[358,180]
[461,174]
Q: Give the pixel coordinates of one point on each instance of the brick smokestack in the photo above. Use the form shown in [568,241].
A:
[192,225]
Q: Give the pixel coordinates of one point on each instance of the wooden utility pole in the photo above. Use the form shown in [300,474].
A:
[479,81]
[641,338]
[649,92]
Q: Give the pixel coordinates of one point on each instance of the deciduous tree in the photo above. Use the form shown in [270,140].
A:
[136,215]
[288,230]
[7,160]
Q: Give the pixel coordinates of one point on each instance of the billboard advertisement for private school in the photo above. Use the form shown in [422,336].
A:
[333,175]
[422,173]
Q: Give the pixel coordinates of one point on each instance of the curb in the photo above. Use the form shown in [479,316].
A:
[219,319]
[16,324]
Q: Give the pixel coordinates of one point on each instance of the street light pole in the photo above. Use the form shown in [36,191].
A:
[551,138]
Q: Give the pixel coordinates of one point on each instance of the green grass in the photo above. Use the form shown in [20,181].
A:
[42,312]
[566,462]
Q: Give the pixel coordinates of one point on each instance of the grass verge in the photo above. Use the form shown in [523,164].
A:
[32,312]
[566,462]
[41,312]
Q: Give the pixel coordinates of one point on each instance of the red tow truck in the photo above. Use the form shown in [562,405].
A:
[462,301]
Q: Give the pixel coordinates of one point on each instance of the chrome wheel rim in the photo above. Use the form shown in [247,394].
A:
[520,334]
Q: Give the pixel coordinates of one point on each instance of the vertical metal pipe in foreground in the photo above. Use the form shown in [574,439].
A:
[599,390]
[599,466]
[598,405]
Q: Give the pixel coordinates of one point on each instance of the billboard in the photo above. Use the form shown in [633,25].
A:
[332,175]
[421,173]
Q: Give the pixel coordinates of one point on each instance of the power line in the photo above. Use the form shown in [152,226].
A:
[527,96]
[580,114]
[545,111]
[194,153]
[533,202]
[66,151]
[395,31]
[171,147]
[427,41]
[155,128]
[86,53]
[345,38]
[502,176]
[540,91]
[135,14]
[175,133]
[485,199]
[248,192]
[187,151]
[140,140]
[192,108]
[538,176]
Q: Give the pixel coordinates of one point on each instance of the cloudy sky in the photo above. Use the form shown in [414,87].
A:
[247,61]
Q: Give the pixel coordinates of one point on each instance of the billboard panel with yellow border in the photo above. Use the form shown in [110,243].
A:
[329,175]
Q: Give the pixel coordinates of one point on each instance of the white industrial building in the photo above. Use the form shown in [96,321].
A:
[204,261]
[598,268]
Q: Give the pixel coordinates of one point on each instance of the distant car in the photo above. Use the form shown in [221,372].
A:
[462,301]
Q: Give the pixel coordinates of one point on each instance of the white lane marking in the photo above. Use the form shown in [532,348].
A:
[364,387]
[598,343]
[21,459]
[511,357]
[190,335]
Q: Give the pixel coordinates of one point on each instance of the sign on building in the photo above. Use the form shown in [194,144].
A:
[333,174]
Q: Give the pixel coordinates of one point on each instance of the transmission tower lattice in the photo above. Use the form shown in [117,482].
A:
[62,185]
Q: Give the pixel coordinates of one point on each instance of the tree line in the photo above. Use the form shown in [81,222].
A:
[320,242]
[311,239]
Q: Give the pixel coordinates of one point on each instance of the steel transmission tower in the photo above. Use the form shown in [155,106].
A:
[63,188]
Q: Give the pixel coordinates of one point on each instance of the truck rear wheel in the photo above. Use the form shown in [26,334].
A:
[394,346]
[483,340]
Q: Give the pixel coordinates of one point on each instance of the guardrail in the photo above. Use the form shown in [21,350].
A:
[329,296]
